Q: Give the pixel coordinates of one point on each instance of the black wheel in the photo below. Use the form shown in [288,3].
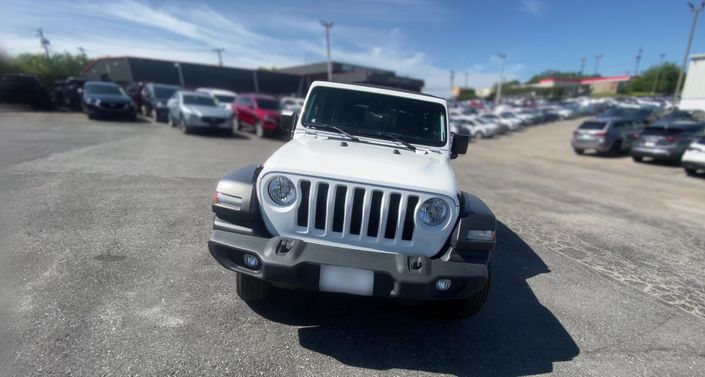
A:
[460,309]
[251,289]
[259,129]
[616,148]
[690,171]
[579,151]
[637,158]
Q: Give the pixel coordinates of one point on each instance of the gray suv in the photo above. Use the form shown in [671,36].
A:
[606,135]
[666,142]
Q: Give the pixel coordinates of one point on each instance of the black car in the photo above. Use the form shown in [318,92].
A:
[102,99]
[666,142]
[154,98]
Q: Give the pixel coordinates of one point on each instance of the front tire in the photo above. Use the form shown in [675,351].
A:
[579,151]
[616,148]
[259,129]
[183,126]
[465,308]
[690,171]
[637,158]
[251,289]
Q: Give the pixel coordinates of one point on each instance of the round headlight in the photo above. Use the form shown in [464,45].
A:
[434,211]
[282,190]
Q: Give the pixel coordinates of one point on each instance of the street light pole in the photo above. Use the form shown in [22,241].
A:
[498,95]
[181,75]
[582,66]
[696,12]
[658,73]
[328,25]
[219,51]
[597,62]
[638,58]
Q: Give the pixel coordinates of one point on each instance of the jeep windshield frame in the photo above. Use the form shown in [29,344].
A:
[377,115]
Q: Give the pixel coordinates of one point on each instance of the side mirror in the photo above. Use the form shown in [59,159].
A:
[458,144]
[288,120]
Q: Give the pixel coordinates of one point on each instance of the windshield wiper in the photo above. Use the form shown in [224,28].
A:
[390,136]
[328,127]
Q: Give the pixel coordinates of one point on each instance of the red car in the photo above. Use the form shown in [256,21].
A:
[260,113]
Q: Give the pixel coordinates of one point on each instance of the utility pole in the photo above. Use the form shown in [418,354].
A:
[43,41]
[582,65]
[597,62]
[82,50]
[696,12]
[638,58]
[452,80]
[181,74]
[658,73]
[466,79]
[498,95]
[328,25]
[219,51]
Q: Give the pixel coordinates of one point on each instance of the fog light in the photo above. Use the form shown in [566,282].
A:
[251,261]
[443,284]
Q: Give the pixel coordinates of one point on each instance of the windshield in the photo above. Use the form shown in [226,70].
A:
[267,104]
[198,100]
[104,89]
[164,92]
[358,112]
[224,98]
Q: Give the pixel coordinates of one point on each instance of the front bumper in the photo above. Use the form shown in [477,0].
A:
[219,124]
[294,263]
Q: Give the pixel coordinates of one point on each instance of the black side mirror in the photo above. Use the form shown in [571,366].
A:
[288,120]
[458,144]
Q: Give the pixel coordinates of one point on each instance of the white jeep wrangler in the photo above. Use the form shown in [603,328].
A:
[362,200]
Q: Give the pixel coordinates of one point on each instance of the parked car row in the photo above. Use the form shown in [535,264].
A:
[674,137]
[484,123]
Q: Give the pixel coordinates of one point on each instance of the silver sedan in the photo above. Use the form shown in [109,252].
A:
[190,111]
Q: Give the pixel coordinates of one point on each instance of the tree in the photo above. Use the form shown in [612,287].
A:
[562,75]
[47,69]
[644,83]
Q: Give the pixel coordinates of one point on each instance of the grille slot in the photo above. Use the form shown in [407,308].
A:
[339,208]
[321,207]
[302,212]
[375,214]
[408,232]
[393,210]
[356,220]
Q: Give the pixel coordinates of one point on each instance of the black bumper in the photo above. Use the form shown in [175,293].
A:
[293,263]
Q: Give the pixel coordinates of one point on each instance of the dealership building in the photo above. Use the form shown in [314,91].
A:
[286,81]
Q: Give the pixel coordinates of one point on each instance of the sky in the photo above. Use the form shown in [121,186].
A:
[419,38]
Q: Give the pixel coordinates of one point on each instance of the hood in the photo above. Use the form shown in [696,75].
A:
[362,162]
[208,111]
[116,98]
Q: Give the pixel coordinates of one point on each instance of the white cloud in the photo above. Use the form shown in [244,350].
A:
[135,28]
[533,6]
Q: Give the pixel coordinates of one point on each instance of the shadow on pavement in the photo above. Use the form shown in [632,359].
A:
[513,335]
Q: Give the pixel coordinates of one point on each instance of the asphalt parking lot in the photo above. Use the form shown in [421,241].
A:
[105,271]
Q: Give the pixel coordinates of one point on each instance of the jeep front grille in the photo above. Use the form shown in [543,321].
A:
[355,214]
[355,211]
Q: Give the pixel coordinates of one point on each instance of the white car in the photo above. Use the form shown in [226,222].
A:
[291,103]
[362,201]
[514,122]
[224,97]
[694,157]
